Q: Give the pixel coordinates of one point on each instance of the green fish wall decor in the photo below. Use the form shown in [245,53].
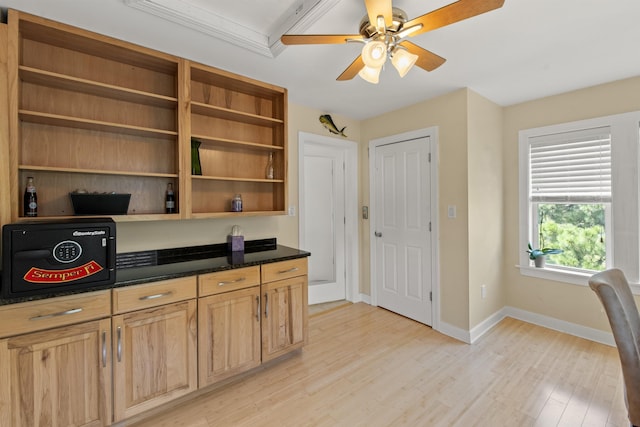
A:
[327,122]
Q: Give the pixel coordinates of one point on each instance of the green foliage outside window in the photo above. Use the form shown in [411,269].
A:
[577,229]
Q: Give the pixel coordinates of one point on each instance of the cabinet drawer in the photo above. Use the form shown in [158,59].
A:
[53,312]
[284,270]
[228,280]
[153,294]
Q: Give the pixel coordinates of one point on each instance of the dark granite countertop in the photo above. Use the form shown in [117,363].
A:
[134,276]
[150,266]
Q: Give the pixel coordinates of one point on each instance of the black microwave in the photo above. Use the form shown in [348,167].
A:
[52,257]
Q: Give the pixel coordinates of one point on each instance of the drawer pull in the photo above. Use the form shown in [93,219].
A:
[291,270]
[119,344]
[148,297]
[266,306]
[231,282]
[61,313]
[104,349]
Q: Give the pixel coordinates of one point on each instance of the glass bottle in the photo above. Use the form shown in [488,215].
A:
[170,200]
[236,203]
[30,199]
[269,170]
[196,168]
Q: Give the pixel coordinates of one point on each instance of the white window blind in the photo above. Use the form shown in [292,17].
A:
[572,167]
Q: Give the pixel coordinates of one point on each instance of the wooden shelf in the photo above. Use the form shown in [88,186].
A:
[60,81]
[96,171]
[228,114]
[197,215]
[227,178]
[97,125]
[91,112]
[208,140]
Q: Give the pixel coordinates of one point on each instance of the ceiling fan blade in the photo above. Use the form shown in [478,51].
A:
[452,13]
[376,8]
[290,39]
[426,60]
[352,69]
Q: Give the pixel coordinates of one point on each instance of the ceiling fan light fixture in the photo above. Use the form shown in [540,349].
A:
[374,54]
[370,74]
[403,61]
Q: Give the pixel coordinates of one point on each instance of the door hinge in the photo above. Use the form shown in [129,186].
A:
[429,157]
[429,225]
[431,296]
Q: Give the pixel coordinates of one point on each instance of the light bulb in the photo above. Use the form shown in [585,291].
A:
[374,54]
[403,61]
[370,74]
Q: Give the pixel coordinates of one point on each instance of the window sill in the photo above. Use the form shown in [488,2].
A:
[572,277]
[550,273]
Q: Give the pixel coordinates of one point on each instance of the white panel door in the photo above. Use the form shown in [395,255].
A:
[324,225]
[402,228]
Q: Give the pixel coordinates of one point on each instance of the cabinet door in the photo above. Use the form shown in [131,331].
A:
[284,321]
[154,357]
[60,377]
[229,334]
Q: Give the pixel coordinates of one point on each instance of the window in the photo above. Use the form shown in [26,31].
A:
[579,193]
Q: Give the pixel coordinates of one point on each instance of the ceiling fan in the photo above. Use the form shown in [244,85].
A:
[384,30]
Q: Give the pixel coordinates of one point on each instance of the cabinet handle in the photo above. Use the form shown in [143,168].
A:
[266,305]
[104,349]
[119,345]
[258,311]
[61,313]
[291,270]
[231,282]
[148,297]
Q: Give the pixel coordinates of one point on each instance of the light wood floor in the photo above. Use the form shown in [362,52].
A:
[365,366]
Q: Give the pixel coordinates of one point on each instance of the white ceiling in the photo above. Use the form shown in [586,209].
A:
[526,50]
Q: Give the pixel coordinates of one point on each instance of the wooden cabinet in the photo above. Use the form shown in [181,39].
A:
[228,323]
[90,112]
[155,357]
[100,357]
[285,312]
[239,123]
[60,376]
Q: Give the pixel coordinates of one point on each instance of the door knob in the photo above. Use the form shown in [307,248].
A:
[377,234]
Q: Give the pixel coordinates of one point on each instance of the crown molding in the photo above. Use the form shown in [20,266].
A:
[296,19]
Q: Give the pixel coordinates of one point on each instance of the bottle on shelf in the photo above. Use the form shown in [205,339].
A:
[30,199]
[269,170]
[236,203]
[170,200]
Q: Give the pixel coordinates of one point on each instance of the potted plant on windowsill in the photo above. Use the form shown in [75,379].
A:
[539,255]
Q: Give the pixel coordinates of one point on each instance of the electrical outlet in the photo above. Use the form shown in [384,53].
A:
[292,211]
[483,291]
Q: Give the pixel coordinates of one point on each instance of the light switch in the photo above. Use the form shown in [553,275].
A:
[451,211]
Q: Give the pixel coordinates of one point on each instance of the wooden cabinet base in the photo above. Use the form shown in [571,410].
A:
[57,378]
[154,357]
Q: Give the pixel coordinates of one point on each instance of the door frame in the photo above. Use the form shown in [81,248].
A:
[350,151]
[432,134]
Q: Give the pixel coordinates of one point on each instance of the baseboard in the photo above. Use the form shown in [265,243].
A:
[561,326]
[486,325]
[454,332]
[362,298]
